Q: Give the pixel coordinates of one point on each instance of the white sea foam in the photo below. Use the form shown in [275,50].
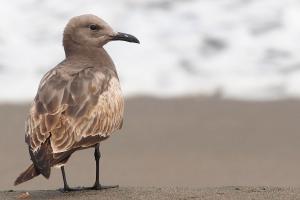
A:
[245,49]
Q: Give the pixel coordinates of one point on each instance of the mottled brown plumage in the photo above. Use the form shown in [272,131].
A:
[79,102]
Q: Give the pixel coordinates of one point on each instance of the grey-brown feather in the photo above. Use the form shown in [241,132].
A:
[71,105]
[78,103]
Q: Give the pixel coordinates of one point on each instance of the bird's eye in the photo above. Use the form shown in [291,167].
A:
[94,27]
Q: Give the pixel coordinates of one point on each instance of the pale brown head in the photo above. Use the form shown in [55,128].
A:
[91,31]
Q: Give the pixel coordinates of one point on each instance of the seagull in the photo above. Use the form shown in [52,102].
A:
[79,102]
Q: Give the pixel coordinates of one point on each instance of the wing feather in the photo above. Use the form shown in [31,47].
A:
[72,105]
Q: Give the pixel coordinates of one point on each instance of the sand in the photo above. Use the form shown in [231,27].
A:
[151,193]
[185,142]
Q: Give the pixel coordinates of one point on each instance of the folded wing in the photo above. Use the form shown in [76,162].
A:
[71,106]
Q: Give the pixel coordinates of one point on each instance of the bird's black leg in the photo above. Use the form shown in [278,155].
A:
[97,185]
[66,186]
[97,155]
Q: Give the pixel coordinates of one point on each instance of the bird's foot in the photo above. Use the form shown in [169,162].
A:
[68,189]
[101,187]
[94,187]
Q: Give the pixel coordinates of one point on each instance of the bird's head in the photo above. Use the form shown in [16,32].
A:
[91,31]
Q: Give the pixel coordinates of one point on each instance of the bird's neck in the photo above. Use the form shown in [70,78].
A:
[95,55]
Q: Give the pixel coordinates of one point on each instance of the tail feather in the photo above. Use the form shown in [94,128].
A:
[28,174]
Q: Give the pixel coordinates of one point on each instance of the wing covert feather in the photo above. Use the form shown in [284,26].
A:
[74,104]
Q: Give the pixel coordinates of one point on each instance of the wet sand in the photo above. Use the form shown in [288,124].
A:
[185,142]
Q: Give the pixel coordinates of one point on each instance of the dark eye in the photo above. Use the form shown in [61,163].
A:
[94,27]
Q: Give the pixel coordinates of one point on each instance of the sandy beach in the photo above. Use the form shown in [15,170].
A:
[152,193]
[192,142]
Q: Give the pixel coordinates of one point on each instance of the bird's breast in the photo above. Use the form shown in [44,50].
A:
[110,107]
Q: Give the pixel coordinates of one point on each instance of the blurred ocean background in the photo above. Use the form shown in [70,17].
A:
[241,49]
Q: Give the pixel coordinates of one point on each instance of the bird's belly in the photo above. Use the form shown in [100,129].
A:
[110,108]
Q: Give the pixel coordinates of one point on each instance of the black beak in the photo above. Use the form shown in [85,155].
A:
[125,37]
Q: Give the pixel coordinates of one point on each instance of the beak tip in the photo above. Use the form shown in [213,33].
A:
[126,37]
[137,41]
